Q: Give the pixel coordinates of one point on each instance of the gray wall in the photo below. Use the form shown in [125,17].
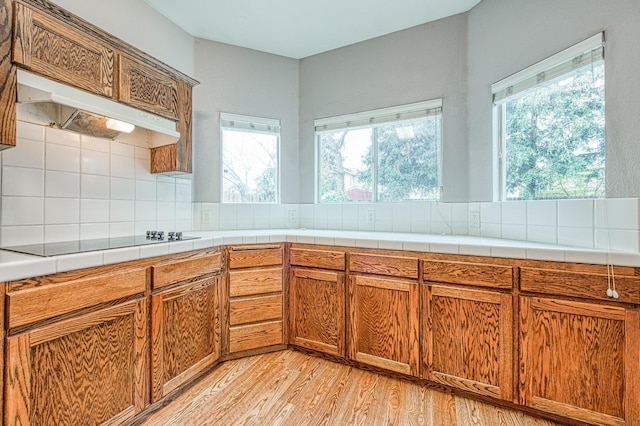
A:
[139,25]
[248,82]
[506,36]
[421,63]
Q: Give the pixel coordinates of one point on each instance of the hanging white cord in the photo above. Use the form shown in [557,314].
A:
[611,276]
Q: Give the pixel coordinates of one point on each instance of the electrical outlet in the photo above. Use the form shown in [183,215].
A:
[371,216]
[293,216]
[206,217]
[474,219]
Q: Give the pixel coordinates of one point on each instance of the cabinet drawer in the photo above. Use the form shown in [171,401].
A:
[478,274]
[247,283]
[252,336]
[56,50]
[394,266]
[255,309]
[172,272]
[578,284]
[325,259]
[253,256]
[50,300]
[143,87]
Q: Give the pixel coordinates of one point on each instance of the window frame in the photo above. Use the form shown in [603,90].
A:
[250,124]
[373,119]
[522,81]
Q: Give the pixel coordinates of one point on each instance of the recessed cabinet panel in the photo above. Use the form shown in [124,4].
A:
[86,370]
[317,306]
[185,327]
[143,87]
[580,360]
[384,323]
[56,50]
[468,340]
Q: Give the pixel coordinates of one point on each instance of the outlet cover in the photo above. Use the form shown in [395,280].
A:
[474,219]
[206,217]
[293,216]
[371,216]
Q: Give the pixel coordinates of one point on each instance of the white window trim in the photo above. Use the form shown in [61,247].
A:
[250,124]
[576,56]
[587,51]
[369,118]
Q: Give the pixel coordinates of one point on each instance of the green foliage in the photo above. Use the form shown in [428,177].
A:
[407,167]
[555,142]
[266,186]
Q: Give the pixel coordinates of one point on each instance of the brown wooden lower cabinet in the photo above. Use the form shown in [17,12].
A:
[383,323]
[85,370]
[467,339]
[580,360]
[317,310]
[185,334]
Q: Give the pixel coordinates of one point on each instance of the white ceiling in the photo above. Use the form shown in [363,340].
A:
[301,28]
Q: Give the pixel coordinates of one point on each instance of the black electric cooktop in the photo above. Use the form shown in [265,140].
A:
[82,246]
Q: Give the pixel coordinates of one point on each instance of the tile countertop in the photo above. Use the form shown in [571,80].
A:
[14,266]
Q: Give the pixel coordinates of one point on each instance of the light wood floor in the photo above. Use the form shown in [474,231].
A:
[292,388]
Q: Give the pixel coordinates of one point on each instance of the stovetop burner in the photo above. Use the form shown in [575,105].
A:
[82,246]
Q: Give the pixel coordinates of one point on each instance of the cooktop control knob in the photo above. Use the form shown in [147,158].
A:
[179,236]
[160,235]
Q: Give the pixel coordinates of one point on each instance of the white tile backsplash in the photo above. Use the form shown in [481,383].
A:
[575,213]
[92,186]
[617,213]
[58,211]
[95,162]
[94,210]
[21,181]
[61,137]
[62,158]
[62,184]
[22,211]
[542,213]
[122,166]
[26,153]
[30,131]
[123,189]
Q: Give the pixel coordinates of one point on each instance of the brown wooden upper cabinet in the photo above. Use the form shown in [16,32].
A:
[143,87]
[54,49]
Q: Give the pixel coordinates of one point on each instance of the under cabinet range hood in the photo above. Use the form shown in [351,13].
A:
[49,103]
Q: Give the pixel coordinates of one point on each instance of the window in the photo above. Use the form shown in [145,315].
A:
[250,152]
[386,155]
[551,126]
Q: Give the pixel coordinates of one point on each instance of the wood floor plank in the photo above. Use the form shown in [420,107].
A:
[290,388]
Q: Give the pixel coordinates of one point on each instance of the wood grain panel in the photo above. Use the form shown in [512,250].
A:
[8,79]
[317,308]
[468,340]
[56,50]
[185,333]
[255,309]
[252,336]
[576,284]
[148,89]
[177,158]
[384,323]
[247,257]
[573,359]
[38,303]
[85,370]
[251,282]
[172,272]
[323,259]
[395,266]
[477,274]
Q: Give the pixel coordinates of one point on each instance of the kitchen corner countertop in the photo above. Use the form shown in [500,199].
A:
[14,266]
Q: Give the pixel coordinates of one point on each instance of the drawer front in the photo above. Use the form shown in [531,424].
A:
[255,309]
[254,256]
[169,273]
[394,266]
[477,274]
[40,303]
[54,49]
[143,87]
[324,259]
[247,283]
[252,336]
[578,284]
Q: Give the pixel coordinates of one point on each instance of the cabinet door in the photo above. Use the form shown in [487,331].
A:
[143,87]
[58,51]
[383,323]
[580,360]
[82,371]
[317,309]
[185,333]
[468,340]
